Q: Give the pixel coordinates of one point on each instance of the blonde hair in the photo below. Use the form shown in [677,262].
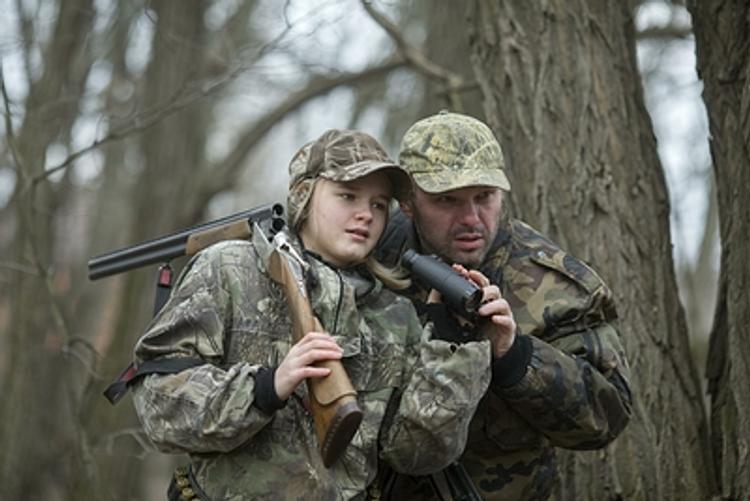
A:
[395,278]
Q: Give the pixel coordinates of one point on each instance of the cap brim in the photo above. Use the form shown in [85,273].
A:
[447,180]
[398,177]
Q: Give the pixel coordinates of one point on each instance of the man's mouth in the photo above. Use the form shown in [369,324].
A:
[469,241]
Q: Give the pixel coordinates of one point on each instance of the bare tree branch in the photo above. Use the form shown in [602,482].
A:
[9,265]
[38,264]
[137,434]
[184,97]
[69,350]
[26,29]
[418,60]
[9,134]
[222,176]
[665,33]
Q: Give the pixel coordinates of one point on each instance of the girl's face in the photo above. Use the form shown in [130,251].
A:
[345,219]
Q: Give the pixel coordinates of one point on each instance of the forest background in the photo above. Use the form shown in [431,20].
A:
[122,121]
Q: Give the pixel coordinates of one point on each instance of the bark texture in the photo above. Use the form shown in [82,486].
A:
[161,199]
[722,29]
[563,95]
[32,442]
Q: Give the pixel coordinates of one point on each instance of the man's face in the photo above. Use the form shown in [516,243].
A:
[457,225]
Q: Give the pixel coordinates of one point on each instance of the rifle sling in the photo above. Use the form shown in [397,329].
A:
[119,387]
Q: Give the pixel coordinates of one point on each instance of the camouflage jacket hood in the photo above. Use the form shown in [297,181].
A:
[574,392]
[417,394]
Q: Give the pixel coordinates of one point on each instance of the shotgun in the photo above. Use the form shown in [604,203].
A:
[333,400]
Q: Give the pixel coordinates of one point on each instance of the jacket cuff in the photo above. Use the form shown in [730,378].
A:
[266,398]
[511,367]
[447,327]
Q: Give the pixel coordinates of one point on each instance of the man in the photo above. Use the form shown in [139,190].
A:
[560,377]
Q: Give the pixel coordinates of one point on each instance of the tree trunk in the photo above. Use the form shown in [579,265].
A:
[722,29]
[161,201]
[450,52]
[35,415]
[562,93]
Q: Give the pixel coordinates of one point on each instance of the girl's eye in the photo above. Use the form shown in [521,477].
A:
[379,206]
[347,196]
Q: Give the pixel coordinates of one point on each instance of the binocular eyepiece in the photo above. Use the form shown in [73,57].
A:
[459,294]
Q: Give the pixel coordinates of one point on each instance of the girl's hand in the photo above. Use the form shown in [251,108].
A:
[299,363]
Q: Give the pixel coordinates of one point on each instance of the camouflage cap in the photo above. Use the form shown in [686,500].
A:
[339,155]
[448,151]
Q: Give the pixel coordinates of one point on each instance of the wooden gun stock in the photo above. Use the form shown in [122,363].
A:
[333,399]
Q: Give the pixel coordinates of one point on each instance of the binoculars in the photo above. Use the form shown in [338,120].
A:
[459,294]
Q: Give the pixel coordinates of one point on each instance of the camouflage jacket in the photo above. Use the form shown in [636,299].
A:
[417,394]
[572,388]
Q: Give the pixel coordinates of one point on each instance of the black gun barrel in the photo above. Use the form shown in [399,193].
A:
[162,249]
[460,294]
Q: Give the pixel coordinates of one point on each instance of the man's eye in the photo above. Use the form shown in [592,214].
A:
[444,200]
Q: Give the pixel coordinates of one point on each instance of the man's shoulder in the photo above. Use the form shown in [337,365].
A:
[548,286]
[531,251]
[396,236]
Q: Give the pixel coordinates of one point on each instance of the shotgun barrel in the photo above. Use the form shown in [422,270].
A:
[185,242]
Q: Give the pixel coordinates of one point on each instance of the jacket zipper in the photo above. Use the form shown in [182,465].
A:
[338,305]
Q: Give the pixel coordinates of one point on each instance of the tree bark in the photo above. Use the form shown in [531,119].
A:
[722,29]
[563,95]
[161,200]
[32,436]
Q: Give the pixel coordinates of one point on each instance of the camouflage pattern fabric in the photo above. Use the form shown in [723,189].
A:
[417,394]
[449,151]
[575,393]
[338,155]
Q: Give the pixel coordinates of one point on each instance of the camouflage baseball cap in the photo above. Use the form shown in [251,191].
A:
[339,155]
[448,151]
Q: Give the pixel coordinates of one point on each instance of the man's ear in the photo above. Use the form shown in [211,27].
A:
[406,208]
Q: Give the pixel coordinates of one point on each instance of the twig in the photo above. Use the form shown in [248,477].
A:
[416,58]
[38,265]
[141,123]
[222,174]
[10,137]
[134,433]
[10,265]
[69,349]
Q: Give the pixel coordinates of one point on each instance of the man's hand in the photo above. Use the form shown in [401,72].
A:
[299,362]
[500,328]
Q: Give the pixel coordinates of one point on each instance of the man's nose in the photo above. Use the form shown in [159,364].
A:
[469,214]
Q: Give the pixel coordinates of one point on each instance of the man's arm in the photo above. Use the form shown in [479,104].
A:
[568,374]
[566,397]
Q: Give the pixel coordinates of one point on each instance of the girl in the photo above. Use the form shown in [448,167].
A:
[239,409]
